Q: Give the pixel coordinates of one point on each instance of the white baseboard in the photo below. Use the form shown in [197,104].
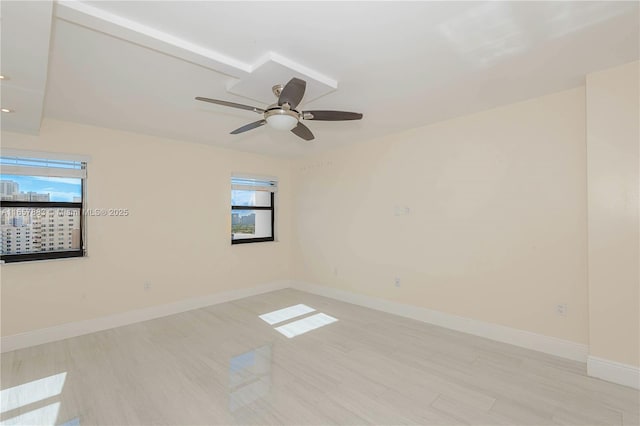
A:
[612,371]
[526,339]
[73,329]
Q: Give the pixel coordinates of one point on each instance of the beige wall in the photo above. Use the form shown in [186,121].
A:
[176,236]
[613,180]
[497,224]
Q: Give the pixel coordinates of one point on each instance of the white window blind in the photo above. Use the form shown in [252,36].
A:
[254,183]
[15,165]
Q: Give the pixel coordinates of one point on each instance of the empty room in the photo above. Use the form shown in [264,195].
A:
[320,213]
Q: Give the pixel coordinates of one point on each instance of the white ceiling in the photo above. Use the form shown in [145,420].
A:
[137,66]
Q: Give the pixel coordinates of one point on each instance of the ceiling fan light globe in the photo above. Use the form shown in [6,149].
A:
[282,121]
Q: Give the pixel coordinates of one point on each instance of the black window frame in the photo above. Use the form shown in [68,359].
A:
[273,217]
[26,257]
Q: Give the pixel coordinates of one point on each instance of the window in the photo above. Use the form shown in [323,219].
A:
[252,209]
[41,208]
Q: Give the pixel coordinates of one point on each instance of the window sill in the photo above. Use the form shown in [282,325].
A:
[30,261]
[248,243]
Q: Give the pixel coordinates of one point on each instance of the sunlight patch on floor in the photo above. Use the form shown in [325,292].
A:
[30,392]
[286,314]
[45,416]
[305,325]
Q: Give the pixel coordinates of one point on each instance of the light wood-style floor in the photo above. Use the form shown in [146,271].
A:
[224,365]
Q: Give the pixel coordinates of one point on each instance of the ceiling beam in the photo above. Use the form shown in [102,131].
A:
[248,79]
[125,29]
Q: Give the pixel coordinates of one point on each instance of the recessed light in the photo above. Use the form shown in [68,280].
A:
[6,110]
[2,77]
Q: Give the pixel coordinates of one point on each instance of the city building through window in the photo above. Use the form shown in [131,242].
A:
[252,209]
[41,208]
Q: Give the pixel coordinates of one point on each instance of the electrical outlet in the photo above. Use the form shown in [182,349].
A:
[561,309]
[397,282]
[147,286]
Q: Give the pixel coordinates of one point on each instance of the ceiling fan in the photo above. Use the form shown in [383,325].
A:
[283,115]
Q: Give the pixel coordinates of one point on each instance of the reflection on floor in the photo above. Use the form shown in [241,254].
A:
[227,364]
[249,377]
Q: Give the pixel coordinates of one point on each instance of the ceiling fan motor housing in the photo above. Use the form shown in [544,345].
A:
[277,90]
